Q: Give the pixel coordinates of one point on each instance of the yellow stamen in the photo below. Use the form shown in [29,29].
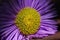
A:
[28,20]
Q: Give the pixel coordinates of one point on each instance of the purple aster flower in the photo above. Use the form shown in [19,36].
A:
[25,19]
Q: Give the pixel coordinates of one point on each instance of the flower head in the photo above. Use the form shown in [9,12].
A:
[24,19]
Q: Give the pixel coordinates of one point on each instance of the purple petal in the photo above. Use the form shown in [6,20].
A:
[7,31]
[13,35]
[48,15]
[28,3]
[45,4]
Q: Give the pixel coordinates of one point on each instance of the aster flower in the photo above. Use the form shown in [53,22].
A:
[24,19]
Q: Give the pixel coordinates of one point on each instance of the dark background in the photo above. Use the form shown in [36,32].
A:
[57,5]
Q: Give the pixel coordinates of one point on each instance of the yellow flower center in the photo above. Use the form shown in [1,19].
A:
[28,20]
